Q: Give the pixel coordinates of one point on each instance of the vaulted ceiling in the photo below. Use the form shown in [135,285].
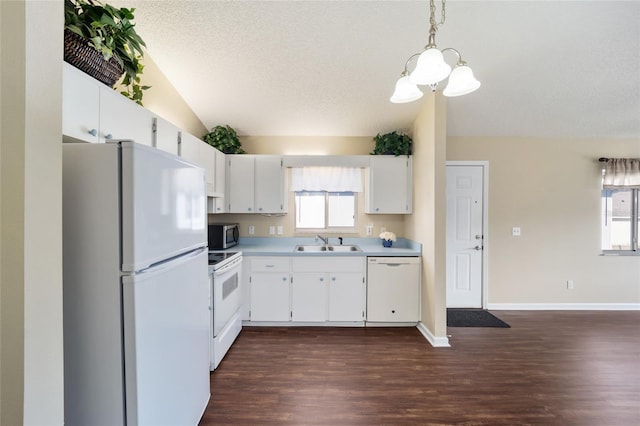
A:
[548,68]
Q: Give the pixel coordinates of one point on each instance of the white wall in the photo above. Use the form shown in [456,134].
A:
[551,189]
[31,358]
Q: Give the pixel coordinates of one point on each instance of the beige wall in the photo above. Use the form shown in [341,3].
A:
[307,145]
[551,189]
[163,100]
[31,357]
[427,224]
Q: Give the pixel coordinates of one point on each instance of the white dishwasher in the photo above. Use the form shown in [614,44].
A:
[393,289]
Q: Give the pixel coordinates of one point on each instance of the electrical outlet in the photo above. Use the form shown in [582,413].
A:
[515,231]
[252,229]
[280,230]
[369,230]
[272,230]
[569,284]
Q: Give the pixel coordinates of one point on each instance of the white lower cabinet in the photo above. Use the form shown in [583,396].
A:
[269,286]
[309,296]
[347,297]
[328,289]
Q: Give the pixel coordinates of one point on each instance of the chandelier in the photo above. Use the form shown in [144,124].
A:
[431,68]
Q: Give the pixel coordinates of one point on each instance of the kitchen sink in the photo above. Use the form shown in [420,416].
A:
[311,248]
[326,248]
[343,248]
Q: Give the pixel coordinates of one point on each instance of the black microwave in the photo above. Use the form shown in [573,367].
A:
[223,235]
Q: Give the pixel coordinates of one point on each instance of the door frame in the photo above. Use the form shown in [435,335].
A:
[485,223]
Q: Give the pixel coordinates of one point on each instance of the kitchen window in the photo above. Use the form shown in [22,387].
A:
[326,197]
[620,205]
[323,210]
[620,221]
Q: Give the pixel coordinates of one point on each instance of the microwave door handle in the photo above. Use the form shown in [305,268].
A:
[236,233]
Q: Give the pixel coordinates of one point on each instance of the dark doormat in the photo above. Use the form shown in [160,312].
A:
[473,318]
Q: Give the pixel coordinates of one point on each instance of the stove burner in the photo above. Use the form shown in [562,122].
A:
[215,258]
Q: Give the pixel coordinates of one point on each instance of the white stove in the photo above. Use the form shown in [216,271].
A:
[225,269]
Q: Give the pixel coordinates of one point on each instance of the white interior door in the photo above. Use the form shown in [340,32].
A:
[465,236]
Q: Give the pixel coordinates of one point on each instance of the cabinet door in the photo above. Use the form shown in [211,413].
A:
[80,105]
[190,148]
[270,297]
[269,185]
[309,297]
[240,184]
[217,204]
[389,188]
[121,118]
[166,136]
[208,159]
[346,297]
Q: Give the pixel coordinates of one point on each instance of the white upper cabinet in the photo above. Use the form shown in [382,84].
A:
[255,184]
[94,112]
[218,204]
[240,184]
[389,185]
[80,105]
[120,118]
[166,136]
[269,188]
[190,148]
[208,156]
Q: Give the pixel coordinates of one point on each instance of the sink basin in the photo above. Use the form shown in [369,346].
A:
[311,248]
[326,248]
[343,248]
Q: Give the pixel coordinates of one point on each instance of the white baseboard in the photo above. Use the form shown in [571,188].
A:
[436,342]
[563,306]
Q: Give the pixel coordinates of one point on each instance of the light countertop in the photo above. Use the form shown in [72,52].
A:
[284,246]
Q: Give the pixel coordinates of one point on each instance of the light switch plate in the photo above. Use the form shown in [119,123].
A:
[280,230]
[272,230]
[252,229]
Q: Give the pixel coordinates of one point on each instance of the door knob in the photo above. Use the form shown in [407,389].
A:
[478,248]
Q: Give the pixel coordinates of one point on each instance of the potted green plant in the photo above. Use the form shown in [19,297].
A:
[93,28]
[225,139]
[392,143]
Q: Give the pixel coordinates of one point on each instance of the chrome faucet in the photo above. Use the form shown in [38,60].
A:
[323,239]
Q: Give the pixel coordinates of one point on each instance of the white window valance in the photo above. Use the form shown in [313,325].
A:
[330,179]
[622,173]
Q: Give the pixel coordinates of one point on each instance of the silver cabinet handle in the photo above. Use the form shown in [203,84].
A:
[284,278]
[321,279]
[333,278]
[108,136]
[93,132]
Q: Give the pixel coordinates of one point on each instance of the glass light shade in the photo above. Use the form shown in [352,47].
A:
[405,91]
[431,67]
[461,82]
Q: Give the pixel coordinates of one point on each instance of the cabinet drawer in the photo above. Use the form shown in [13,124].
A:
[270,264]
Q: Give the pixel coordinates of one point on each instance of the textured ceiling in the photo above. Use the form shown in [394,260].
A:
[548,68]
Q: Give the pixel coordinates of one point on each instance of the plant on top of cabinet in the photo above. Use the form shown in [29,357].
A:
[94,31]
[392,143]
[224,139]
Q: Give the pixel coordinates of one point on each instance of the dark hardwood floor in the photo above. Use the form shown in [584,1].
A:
[549,368]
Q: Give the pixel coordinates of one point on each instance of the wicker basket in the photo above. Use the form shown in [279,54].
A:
[84,57]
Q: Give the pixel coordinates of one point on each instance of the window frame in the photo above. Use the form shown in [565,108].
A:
[327,228]
[633,229]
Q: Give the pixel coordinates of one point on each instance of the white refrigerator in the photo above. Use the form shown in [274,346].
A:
[136,308]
